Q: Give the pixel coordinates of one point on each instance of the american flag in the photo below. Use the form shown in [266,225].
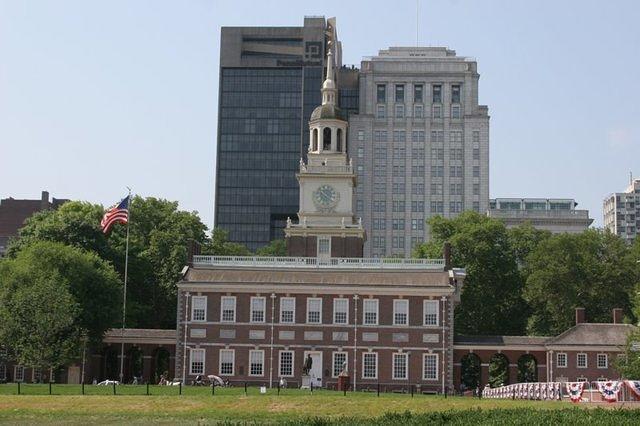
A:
[116,214]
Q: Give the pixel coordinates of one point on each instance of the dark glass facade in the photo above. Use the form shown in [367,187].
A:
[263,132]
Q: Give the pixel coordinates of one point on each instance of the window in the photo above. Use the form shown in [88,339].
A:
[286,364]
[455,111]
[370,365]
[430,308]
[455,171]
[417,188]
[561,360]
[455,206]
[324,246]
[288,310]
[437,136]
[437,111]
[418,111]
[379,224]
[398,188]
[370,312]
[399,111]
[359,206]
[436,93]
[314,310]
[379,242]
[381,111]
[476,206]
[381,93]
[603,361]
[436,189]
[417,93]
[360,152]
[199,308]
[258,306]
[476,153]
[380,136]
[399,92]
[228,309]
[400,312]
[256,363]
[581,360]
[476,189]
[417,136]
[340,311]
[397,224]
[455,94]
[18,373]
[456,154]
[455,189]
[455,137]
[397,242]
[417,206]
[339,358]
[398,206]
[360,135]
[476,171]
[417,225]
[437,207]
[196,361]
[400,366]
[399,136]
[475,136]
[227,358]
[430,367]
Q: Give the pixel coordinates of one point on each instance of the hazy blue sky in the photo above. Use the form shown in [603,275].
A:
[97,96]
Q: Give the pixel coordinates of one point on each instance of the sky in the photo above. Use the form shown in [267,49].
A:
[97,96]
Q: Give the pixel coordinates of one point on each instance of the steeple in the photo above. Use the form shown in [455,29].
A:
[329,86]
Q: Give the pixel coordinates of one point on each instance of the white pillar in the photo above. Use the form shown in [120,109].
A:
[334,138]
[320,139]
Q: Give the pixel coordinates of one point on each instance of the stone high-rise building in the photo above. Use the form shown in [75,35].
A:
[420,144]
[622,212]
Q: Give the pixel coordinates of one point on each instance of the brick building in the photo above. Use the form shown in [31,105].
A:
[14,212]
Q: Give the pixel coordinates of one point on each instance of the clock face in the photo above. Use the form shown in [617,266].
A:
[326,198]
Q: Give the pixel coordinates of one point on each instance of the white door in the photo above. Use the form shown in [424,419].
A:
[316,368]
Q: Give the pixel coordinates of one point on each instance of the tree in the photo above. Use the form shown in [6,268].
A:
[276,248]
[524,239]
[491,300]
[592,269]
[50,294]
[158,240]
[629,365]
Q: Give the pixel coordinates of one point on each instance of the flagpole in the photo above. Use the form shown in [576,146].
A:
[124,292]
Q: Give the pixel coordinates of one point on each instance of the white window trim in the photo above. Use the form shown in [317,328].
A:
[363,369]
[191,356]
[293,364]
[15,373]
[233,363]
[334,311]
[566,360]
[424,370]
[586,360]
[309,299]
[424,312]
[294,310]
[606,361]
[264,311]
[263,363]
[235,310]
[377,303]
[319,240]
[193,308]
[406,302]
[393,365]
[333,361]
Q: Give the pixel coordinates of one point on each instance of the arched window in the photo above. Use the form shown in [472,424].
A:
[326,139]
[527,369]
[314,140]
[498,370]
[339,141]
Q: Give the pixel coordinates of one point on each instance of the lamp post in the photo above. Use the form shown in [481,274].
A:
[443,299]
[184,343]
[273,309]
[355,339]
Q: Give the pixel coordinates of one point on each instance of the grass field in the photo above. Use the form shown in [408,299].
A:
[198,406]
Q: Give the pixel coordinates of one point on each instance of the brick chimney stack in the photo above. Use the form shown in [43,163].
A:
[580,316]
[44,200]
[617,315]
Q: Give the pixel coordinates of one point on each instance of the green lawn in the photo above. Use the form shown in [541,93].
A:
[198,406]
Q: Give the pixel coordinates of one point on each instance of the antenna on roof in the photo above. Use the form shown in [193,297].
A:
[417,21]
[630,178]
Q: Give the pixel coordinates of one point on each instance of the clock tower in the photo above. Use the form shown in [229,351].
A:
[326,224]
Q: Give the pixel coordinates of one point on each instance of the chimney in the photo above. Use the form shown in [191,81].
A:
[617,315]
[580,316]
[193,249]
[44,201]
[447,256]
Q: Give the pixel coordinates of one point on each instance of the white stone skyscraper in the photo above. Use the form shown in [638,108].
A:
[622,212]
[420,144]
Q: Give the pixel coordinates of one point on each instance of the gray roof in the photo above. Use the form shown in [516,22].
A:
[500,340]
[130,333]
[328,112]
[594,334]
[256,276]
